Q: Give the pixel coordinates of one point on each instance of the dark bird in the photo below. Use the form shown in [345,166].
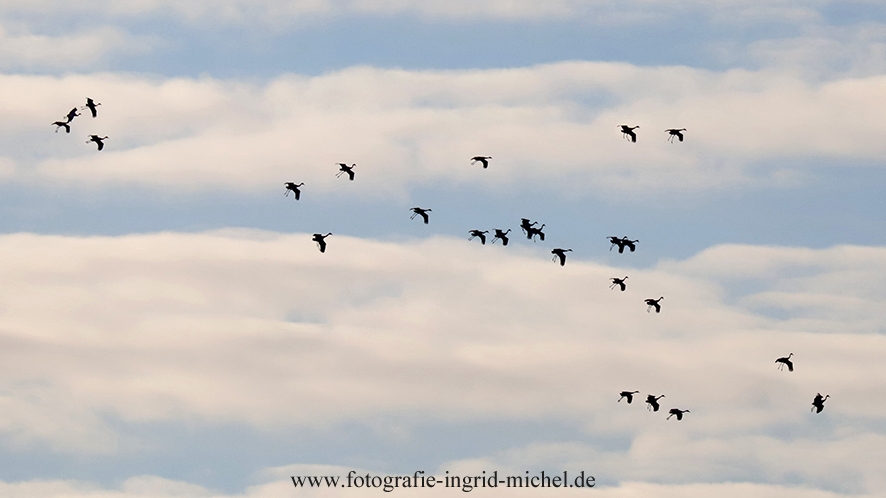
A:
[479,234]
[675,132]
[560,253]
[785,360]
[652,401]
[482,159]
[526,225]
[73,114]
[98,140]
[630,244]
[616,242]
[62,124]
[91,105]
[499,234]
[319,238]
[420,212]
[293,187]
[818,403]
[650,303]
[344,168]
[676,412]
[628,132]
[619,282]
[532,232]
[629,395]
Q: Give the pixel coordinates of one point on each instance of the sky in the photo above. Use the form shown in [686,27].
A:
[168,328]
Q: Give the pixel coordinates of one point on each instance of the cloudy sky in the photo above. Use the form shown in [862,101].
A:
[168,328]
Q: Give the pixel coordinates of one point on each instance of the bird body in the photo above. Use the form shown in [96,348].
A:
[72,114]
[818,402]
[628,132]
[619,282]
[676,412]
[62,124]
[652,401]
[560,253]
[344,168]
[479,234]
[417,211]
[785,360]
[501,235]
[91,105]
[621,243]
[319,238]
[532,232]
[98,141]
[654,303]
[293,187]
[481,159]
[675,132]
[628,395]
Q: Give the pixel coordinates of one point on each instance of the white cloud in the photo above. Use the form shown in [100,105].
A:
[553,124]
[20,48]
[260,328]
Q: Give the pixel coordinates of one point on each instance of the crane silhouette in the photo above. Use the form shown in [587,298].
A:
[479,234]
[62,124]
[72,114]
[344,168]
[319,238]
[676,412]
[417,211]
[532,232]
[619,282]
[560,253]
[628,132]
[482,159]
[98,140]
[91,105]
[526,225]
[652,401]
[293,187]
[653,303]
[630,244]
[621,243]
[785,360]
[675,132]
[628,395]
[502,235]
[818,403]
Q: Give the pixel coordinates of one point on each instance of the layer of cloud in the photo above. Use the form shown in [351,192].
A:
[553,124]
[262,329]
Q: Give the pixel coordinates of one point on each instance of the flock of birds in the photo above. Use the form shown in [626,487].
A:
[531,229]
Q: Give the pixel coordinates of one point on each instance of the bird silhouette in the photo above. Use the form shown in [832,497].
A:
[526,225]
[629,395]
[91,105]
[818,403]
[630,244]
[616,242]
[502,235]
[482,159]
[416,211]
[72,114]
[652,401]
[675,132]
[560,253]
[62,124]
[628,132]
[676,412]
[98,140]
[650,303]
[344,168]
[319,238]
[785,360]
[619,282]
[532,232]
[293,187]
[479,234]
